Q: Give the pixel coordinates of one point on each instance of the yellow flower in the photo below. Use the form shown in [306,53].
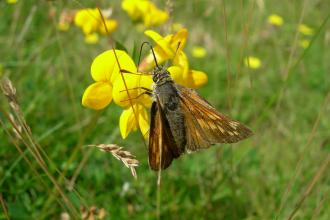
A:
[135,8]
[63,26]
[171,47]
[194,78]
[154,16]
[111,25]
[92,38]
[198,52]
[109,86]
[304,43]
[104,71]
[304,29]
[90,21]
[275,19]
[177,26]
[167,48]
[129,122]
[252,62]
[12,1]
[145,11]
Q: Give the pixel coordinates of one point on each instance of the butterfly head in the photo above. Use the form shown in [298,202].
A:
[161,75]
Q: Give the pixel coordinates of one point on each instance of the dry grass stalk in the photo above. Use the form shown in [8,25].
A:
[23,133]
[124,156]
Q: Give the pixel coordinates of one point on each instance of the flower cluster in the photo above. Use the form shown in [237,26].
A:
[111,85]
[252,62]
[275,19]
[91,23]
[145,11]
[126,86]
[171,47]
[307,32]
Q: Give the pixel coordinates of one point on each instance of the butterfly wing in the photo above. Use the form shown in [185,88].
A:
[205,125]
[162,147]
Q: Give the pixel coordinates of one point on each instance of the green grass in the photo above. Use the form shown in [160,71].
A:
[249,180]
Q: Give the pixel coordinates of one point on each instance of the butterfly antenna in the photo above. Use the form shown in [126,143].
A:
[152,50]
[176,51]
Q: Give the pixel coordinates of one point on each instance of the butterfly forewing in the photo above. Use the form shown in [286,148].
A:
[162,147]
[205,125]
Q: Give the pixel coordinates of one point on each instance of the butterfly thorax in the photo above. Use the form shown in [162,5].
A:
[161,75]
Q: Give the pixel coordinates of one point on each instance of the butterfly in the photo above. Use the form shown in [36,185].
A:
[183,122]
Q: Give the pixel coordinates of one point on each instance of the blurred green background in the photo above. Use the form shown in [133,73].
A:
[285,102]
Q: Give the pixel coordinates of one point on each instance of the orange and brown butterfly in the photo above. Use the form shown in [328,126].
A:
[184,122]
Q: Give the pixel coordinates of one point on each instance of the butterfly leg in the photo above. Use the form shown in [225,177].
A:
[129,72]
[143,93]
[139,87]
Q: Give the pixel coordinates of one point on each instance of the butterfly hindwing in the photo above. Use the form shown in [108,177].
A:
[205,125]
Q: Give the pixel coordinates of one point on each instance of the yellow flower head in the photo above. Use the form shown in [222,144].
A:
[87,19]
[252,62]
[166,47]
[109,85]
[111,26]
[11,1]
[177,26]
[198,52]
[275,19]
[90,21]
[171,47]
[154,16]
[304,43]
[305,30]
[92,38]
[145,11]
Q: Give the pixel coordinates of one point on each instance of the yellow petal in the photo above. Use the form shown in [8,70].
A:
[176,74]
[88,19]
[179,38]
[134,8]
[144,122]
[304,29]
[181,60]
[97,96]
[197,79]
[154,16]
[176,26]
[88,28]
[92,38]
[145,81]
[133,82]
[110,24]
[275,19]
[198,52]
[252,62]
[304,43]
[105,66]
[12,1]
[127,122]
[162,42]
[148,63]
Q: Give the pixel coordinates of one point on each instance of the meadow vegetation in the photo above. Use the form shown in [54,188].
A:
[48,171]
